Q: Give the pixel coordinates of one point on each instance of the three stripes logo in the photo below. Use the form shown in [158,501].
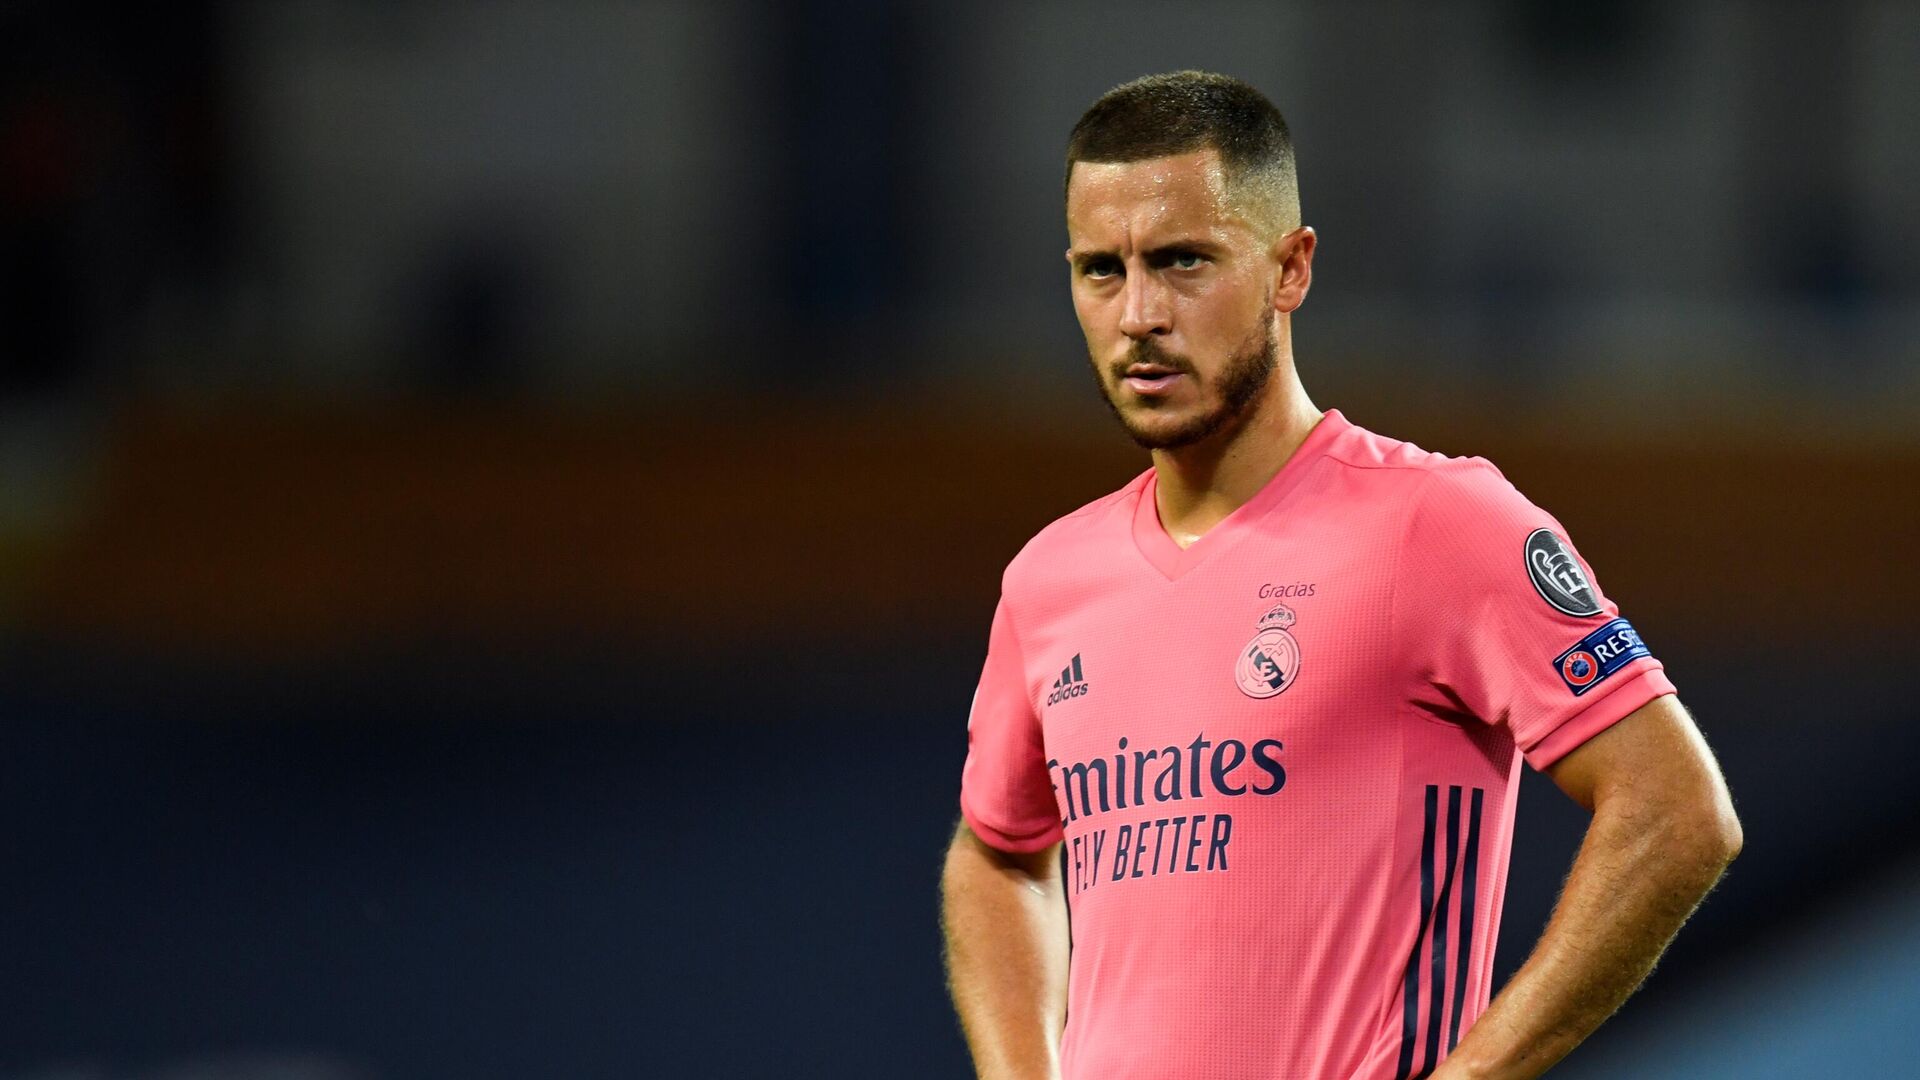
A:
[1437,920]
[1070,684]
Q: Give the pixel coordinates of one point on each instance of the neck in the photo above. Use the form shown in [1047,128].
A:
[1197,486]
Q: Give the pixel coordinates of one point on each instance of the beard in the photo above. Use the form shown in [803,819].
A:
[1229,400]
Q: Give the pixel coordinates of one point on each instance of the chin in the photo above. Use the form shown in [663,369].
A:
[1165,430]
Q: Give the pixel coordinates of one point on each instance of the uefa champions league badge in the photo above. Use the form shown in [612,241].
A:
[1271,661]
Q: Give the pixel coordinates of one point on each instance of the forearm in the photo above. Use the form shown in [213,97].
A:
[1640,873]
[1006,931]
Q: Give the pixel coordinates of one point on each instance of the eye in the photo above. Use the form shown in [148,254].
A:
[1181,259]
[1100,268]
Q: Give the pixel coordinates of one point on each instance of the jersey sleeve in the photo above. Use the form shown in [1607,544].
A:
[1501,620]
[1006,791]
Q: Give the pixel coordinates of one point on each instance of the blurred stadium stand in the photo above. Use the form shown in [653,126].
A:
[500,505]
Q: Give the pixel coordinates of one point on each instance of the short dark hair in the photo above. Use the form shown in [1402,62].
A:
[1183,111]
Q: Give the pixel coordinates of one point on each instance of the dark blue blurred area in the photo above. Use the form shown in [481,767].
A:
[716,872]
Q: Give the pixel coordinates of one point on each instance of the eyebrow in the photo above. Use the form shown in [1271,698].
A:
[1185,244]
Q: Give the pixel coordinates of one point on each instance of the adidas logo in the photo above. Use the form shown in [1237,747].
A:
[1070,684]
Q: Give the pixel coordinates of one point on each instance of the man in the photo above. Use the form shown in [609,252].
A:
[1271,698]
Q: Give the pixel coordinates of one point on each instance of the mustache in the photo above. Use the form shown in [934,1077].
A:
[1148,351]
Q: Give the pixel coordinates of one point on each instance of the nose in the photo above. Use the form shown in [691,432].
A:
[1144,308]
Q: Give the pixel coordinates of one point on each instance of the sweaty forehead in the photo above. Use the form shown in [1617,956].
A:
[1129,202]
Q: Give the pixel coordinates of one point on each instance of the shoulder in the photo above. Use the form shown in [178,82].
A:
[1089,534]
[1425,482]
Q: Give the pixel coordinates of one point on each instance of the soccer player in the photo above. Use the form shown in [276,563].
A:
[1258,716]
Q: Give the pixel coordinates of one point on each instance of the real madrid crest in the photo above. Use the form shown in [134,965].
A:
[1271,661]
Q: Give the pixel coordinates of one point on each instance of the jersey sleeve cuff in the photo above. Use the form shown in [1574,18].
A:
[1598,717]
[1016,842]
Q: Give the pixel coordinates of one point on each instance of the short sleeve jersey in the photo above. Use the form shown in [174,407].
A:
[1284,760]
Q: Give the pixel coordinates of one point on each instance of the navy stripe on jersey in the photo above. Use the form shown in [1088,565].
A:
[1469,873]
[1410,1009]
[1437,995]
[1436,917]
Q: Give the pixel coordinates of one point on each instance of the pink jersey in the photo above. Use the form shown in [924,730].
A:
[1282,760]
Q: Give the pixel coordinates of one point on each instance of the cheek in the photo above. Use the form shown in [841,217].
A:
[1229,305]
[1092,314]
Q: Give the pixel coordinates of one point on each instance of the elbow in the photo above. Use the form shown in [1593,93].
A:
[1720,827]
[1730,835]
[1702,813]
[1709,832]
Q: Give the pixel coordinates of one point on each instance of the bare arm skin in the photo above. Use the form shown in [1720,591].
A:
[1663,831]
[1005,920]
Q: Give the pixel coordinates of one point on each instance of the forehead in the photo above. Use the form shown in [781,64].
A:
[1109,201]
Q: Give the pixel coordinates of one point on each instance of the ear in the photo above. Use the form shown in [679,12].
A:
[1292,268]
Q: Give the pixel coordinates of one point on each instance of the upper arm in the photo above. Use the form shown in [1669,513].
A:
[1654,760]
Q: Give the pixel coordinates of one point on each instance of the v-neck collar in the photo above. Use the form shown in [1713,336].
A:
[1172,560]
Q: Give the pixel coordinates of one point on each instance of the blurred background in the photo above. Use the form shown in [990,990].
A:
[501,503]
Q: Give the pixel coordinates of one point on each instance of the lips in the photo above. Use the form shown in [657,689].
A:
[1151,379]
